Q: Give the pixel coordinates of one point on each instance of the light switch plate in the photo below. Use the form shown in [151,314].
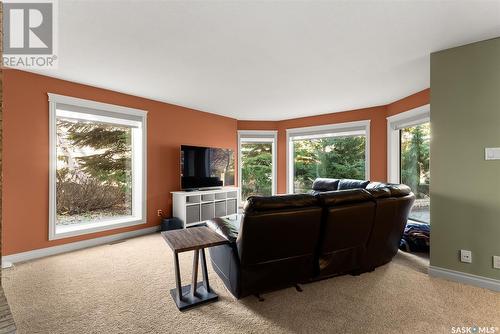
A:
[465,256]
[492,153]
[496,262]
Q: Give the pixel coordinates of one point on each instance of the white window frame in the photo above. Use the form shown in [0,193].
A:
[264,137]
[107,113]
[338,129]
[395,123]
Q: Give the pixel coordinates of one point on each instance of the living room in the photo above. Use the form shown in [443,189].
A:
[326,166]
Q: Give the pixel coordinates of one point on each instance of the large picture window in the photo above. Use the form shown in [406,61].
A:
[333,151]
[97,179]
[257,163]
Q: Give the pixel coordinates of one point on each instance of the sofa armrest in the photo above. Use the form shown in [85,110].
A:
[227,228]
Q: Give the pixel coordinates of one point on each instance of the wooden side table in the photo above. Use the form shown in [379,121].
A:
[195,239]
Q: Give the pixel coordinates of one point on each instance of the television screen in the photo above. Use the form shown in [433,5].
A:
[206,167]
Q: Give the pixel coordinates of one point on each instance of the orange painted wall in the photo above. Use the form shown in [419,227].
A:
[378,131]
[413,101]
[26,152]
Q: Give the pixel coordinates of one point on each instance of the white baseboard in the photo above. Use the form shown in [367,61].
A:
[470,279]
[8,260]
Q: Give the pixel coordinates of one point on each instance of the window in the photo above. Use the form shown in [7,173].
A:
[414,167]
[409,157]
[97,166]
[257,163]
[333,151]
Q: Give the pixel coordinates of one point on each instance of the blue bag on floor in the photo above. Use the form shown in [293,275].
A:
[416,238]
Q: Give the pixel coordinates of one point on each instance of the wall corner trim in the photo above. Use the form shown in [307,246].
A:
[469,279]
[43,252]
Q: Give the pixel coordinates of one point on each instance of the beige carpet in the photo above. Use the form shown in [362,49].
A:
[124,288]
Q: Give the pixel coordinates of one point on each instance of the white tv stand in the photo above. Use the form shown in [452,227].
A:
[196,207]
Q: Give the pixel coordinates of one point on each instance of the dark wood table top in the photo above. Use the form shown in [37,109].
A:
[192,238]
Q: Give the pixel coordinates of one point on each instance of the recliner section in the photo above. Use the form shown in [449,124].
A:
[289,239]
[275,246]
[346,227]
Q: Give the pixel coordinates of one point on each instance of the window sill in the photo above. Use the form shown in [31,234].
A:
[67,231]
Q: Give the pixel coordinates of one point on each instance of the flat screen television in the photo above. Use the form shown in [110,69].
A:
[206,167]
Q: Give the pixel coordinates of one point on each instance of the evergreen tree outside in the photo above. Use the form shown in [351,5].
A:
[333,157]
[415,171]
[336,157]
[256,169]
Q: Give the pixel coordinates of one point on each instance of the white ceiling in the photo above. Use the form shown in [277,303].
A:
[265,60]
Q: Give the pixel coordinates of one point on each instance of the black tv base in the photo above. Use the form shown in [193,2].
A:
[203,189]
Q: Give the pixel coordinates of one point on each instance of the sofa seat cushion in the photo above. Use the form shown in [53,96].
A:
[348,196]
[352,184]
[279,202]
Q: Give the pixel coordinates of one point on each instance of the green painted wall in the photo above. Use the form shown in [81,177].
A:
[465,189]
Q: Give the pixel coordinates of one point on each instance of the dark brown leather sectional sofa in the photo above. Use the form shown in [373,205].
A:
[343,226]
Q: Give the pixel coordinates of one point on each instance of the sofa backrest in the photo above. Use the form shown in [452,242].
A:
[362,226]
[327,184]
[275,227]
[389,223]
[393,205]
[279,202]
[348,196]
[395,189]
[347,224]
[278,238]
[324,184]
[352,184]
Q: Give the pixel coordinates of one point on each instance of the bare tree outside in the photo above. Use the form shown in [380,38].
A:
[222,165]
[94,171]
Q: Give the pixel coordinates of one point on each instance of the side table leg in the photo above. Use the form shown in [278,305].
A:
[178,287]
[204,270]
[194,282]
